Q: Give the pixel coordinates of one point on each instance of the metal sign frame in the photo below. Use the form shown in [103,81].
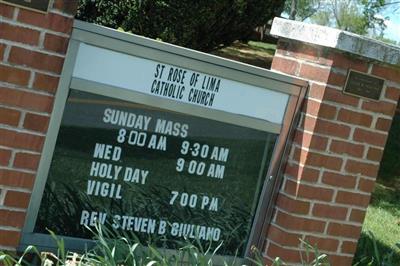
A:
[170,54]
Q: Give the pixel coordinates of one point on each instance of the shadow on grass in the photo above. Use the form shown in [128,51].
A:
[266,48]
[253,53]
[387,196]
[389,171]
[370,249]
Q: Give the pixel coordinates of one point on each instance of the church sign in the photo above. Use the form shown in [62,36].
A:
[160,142]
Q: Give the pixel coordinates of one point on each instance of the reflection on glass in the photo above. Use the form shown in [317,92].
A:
[154,173]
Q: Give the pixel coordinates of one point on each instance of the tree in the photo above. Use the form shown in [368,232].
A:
[301,9]
[358,16]
[201,25]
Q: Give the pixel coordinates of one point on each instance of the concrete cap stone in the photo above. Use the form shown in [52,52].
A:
[337,39]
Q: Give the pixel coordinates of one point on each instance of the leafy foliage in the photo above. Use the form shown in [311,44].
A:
[201,25]
[301,9]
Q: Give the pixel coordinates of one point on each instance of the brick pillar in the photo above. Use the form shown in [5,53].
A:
[32,51]
[338,145]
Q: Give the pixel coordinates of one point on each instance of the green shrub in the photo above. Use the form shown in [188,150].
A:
[114,249]
[200,25]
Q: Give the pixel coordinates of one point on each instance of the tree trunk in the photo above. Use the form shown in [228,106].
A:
[293,10]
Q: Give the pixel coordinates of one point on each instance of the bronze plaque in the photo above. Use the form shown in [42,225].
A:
[364,85]
[35,5]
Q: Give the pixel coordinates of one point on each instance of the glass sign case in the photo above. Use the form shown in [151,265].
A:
[155,173]
[160,143]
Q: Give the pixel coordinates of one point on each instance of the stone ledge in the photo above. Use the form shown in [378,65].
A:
[337,39]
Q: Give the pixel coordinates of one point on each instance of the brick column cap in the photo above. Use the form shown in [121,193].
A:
[338,39]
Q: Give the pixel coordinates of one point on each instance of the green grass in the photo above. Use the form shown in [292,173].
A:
[263,46]
[383,214]
[387,198]
[382,219]
[384,225]
[254,53]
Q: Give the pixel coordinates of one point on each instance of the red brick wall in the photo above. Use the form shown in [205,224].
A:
[32,51]
[335,157]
